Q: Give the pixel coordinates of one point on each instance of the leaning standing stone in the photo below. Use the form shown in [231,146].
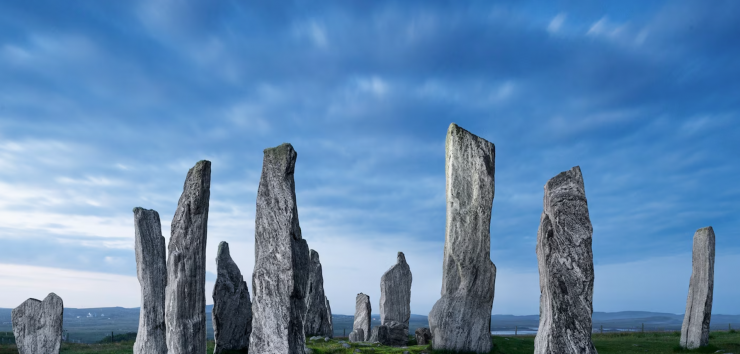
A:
[151,269]
[695,328]
[318,319]
[395,300]
[232,308]
[566,267]
[328,316]
[363,315]
[460,320]
[37,325]
[185,295]
[280,275]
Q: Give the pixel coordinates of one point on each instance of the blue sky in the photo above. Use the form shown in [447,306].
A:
[104,106]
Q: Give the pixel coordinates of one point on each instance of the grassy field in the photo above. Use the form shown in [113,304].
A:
[623,343]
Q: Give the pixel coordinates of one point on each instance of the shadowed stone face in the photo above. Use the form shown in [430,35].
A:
[151,269]
[460,320]
[318,316]
[566,267]
[362,315]
[695,328]
[280,277]
[395,301]
[185,294]
[37,325]
[232,307]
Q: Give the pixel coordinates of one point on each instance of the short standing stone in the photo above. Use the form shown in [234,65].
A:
[37,325]
[232,308]
[357,335]
[362,314]
[280,277]
[423,336]
[151,269]
[395,300]
[318,318]
[695,328]
[566,267]
[461,319]
[380,334]
[185,294]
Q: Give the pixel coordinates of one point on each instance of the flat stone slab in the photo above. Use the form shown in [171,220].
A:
[695,328]
[151,270]
[37,325]
[232,307]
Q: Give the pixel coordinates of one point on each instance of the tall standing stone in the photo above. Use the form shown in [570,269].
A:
[318,318]
[362,316]
[280,275]
[461,319]
[395,300]
[232,307]
[566,267]
[695,328]
[151,269]
[185,295]
[37,325]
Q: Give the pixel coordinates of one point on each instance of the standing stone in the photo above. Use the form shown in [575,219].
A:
[423,336]
[695,328]
[362,315]
[395,301]
[280,275]
[151,269]
[185,295]
[380,334]
[37,325]
[357,335]
[328,316]
[461,319]
[566,267]
[318,318]
[232,308]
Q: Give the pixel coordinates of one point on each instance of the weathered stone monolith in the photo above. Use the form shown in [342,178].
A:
[357,335]
[151,269]
[185,294]
[566,267]
[395,301]
[423,336]
[328,316]
[695,328]
[280,277]
[460,320]
[232,307]
[318,318]
[37,325]
[362,315]
[380,334]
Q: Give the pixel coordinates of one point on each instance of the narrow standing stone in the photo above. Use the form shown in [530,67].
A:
[461,319]
[280,275]
[151,269]
[328,316]
[37,325]
[362,316]
[185,295]
[232,308]
[695,328]
[318,319]
[395,301]
[566,267]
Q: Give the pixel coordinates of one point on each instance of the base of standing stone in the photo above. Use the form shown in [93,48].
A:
[423,336]
[380,335]
[358,335]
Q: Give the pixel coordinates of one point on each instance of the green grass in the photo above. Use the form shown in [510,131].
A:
[623,343]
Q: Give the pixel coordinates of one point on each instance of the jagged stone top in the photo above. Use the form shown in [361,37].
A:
[284,155]
[401,258]
[563,193]
[199,191]
[314,256]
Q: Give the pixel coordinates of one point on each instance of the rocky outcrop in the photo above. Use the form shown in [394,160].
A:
[460,320]
[379,334]
[423,336]
[695,328]
[151,269]
[185,295]
[395,300]
[280,277]
[357,335]
[566,267]
[318,317]
[363,315]
[232,307]
[37,325]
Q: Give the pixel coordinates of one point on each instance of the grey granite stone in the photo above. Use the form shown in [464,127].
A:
[423,336]
[395,300]
[151,269]
[37,325]
[460,319]
[566,267]
[329,318]
[379,334]
[185,294]
[232,307]
[318,317]
[357,335]
[362,314]
[280,277]
[695,328]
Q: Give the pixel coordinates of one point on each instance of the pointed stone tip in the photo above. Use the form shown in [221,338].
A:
[314,254]
[223,248]
[401,258]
